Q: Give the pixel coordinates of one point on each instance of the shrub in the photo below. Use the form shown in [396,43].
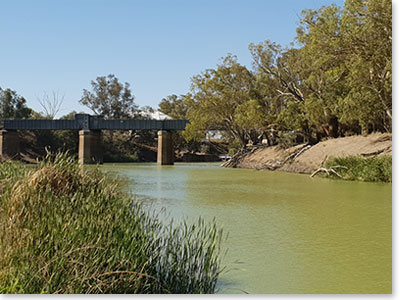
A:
[67,229]
[378,168]
[234,147]
[286,139]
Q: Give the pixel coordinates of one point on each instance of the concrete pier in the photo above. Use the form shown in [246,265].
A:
[9,143]
[165,152]
[90,147]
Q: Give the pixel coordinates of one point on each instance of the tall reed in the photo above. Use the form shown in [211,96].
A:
[67,229]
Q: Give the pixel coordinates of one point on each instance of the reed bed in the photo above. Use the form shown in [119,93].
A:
[67,229]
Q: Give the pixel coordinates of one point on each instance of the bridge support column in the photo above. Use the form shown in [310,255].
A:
[90,147]
[165,152]
[9,143]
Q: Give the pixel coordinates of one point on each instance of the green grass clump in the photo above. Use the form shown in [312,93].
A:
[67,229]
[378,168]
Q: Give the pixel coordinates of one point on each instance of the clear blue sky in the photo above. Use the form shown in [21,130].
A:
[156,46]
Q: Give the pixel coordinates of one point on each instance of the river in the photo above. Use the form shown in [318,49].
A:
[288,233]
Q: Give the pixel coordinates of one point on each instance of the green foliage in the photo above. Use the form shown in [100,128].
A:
[369,34]
[13,106]
[314,109]
[336,81]
[349,54]
[292,117]
[65,229]
[174,106]
[286,139]
[234,147]
[377,168]
[221,95]
[56,140]
[248,115]
[113,100]
[338,78]
[110,99]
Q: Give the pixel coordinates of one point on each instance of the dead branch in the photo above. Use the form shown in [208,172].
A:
[238,156]
[328,171]
[295,154]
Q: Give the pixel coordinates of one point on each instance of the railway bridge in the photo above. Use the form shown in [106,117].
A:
[90,137]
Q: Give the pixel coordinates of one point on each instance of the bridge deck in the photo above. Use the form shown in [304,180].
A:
[94,123]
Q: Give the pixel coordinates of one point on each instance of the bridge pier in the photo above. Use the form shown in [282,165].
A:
[90,140]
[90,147]
[165,151]
[9,143]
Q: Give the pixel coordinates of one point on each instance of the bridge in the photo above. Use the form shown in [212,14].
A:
[90,138]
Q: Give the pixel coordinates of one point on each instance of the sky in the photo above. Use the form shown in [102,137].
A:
[155,46]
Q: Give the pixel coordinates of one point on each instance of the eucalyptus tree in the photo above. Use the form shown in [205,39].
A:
[349,54]
[110,98]
[322,67]
[13,106]
[367,26]
[225,98]
[284,92]
[174,106]
[339,76]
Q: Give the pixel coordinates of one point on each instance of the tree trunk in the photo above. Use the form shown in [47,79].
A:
[333,127]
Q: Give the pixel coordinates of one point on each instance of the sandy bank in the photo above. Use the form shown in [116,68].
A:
[301,159]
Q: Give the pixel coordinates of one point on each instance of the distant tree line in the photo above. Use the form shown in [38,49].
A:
[334,80]
[108,98]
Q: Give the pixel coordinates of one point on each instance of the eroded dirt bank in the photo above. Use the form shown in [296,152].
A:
[306,159]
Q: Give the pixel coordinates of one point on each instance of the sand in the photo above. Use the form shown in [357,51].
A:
[313,157]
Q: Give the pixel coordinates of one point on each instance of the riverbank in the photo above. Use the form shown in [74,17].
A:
[308,158]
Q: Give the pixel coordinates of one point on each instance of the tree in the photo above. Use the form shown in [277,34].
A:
[282,90]
[174,106]
[51,105]
[13,106]
[338,78]
[321,67]
[271,59]
[219,97]
[110,99]
[368,27]
[349,51]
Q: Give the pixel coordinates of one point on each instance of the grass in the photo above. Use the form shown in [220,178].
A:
[374,169]
[67,229]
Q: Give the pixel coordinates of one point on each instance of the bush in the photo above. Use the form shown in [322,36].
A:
[378,168]
[286,139]
[234,147]
[66,229]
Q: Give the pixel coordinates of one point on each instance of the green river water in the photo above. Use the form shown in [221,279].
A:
[288,233]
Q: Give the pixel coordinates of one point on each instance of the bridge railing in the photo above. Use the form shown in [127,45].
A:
[83,121]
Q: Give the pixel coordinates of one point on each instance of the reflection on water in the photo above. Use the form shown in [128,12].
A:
[288,233]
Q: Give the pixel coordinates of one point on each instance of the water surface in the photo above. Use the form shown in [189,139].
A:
[288,233]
